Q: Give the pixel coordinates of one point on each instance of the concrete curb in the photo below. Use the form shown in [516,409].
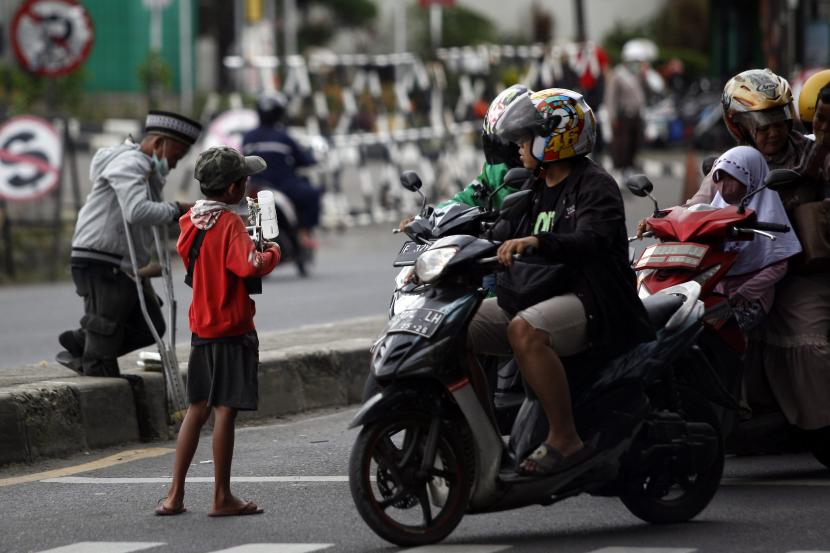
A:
[59,417]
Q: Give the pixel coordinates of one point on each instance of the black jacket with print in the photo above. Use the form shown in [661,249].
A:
[588,234]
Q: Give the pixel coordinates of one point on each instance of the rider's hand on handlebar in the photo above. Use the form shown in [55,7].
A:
[642,227]
[405,222]
[517,246]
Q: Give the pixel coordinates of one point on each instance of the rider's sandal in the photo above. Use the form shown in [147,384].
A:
[547,460]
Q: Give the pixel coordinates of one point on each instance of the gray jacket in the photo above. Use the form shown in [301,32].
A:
[122,181]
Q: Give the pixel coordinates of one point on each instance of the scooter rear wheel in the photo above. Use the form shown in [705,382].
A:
[399,502]
[664,497]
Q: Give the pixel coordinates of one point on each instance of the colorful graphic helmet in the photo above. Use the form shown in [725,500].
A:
[560,123]
[755,98]
[808,98]
[497,150]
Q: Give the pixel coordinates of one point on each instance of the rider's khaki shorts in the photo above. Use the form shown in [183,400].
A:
[561,317]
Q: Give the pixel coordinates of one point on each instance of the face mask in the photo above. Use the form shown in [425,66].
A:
[160,166]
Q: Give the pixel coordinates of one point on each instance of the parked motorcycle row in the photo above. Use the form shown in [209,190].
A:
[660,417]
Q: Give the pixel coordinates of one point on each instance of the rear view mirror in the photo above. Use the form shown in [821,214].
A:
[778,179]
[516,177]
[639,185]
[411,181]
[515,204]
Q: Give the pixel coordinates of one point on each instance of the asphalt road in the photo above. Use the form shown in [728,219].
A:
[773,504]
[352,277]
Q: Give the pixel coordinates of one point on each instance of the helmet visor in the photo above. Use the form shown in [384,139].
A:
[758,119]
[520,121]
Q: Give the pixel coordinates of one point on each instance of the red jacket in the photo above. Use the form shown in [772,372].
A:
[221,305]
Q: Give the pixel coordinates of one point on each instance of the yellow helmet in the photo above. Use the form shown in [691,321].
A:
[808,98]
[755,98]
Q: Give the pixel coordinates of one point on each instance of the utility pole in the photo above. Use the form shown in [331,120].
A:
[400,26]
[290,19]
[579,13]
[436,12]
[186,56]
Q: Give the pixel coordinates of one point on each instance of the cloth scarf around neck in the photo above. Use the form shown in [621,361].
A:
[205,213]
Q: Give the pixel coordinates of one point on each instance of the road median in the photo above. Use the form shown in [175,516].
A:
[307,368]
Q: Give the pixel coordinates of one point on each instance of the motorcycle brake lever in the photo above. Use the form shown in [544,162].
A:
[739,230]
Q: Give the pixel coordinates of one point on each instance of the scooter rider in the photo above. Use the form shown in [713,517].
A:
[126,178]
[584,297]
[758,111]
[499,157]
[271,141]
[796,341]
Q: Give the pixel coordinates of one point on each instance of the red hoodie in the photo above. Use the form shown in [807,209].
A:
[221,306]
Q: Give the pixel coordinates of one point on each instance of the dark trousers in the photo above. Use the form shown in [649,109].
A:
[306,200]
[626,140]
[113,324]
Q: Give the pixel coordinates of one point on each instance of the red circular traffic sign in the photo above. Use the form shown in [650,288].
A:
[51,37]
[30,158]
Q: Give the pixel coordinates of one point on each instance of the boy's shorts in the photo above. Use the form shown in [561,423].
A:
[223,371]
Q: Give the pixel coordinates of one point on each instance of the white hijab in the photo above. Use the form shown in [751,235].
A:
[747,165]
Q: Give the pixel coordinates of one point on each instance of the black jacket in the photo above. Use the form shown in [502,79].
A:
[588,235]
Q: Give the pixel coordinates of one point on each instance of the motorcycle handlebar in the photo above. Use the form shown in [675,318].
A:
[771,227]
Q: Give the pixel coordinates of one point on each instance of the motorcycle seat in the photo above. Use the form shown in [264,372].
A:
[660,308]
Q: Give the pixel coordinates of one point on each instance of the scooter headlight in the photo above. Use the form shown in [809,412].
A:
[431,263]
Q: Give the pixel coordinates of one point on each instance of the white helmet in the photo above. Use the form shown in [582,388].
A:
[639,49]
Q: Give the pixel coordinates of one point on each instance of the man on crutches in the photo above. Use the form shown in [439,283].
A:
[124,212]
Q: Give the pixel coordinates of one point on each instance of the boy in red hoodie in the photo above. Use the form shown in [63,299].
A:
[224,356]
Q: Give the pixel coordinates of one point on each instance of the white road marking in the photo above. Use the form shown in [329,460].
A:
[105,547]
[192,479]
[459,549]
[644,550]
[793,482]
[276,548]
[324,479]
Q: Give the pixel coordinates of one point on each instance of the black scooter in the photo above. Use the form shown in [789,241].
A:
[430,450]
[433,224]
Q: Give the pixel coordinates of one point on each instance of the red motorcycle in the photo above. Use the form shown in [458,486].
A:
[691,247]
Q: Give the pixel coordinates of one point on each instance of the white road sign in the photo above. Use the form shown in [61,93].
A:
[30,158]
[51,37]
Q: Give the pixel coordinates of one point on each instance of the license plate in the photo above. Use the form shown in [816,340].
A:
[422,321]
[409,253]
[672,255]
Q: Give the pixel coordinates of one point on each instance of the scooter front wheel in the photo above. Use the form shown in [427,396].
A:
[401,502]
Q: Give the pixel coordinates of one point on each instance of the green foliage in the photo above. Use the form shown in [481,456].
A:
[155,76]
[24,92]
[461,26]
[680,30]
[340,14]
[351,13]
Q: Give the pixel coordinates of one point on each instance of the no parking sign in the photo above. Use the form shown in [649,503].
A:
[30,158]
[51,37]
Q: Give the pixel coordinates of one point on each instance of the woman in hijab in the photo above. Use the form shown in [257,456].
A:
[761,263]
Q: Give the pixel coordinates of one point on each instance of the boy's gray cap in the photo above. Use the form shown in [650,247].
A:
[217,167]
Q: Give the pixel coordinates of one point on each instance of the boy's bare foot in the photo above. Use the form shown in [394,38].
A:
[236,507]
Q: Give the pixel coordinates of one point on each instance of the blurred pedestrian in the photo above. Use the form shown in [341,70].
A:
[590,62]
[127,182]
[224,357]
[625,102]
